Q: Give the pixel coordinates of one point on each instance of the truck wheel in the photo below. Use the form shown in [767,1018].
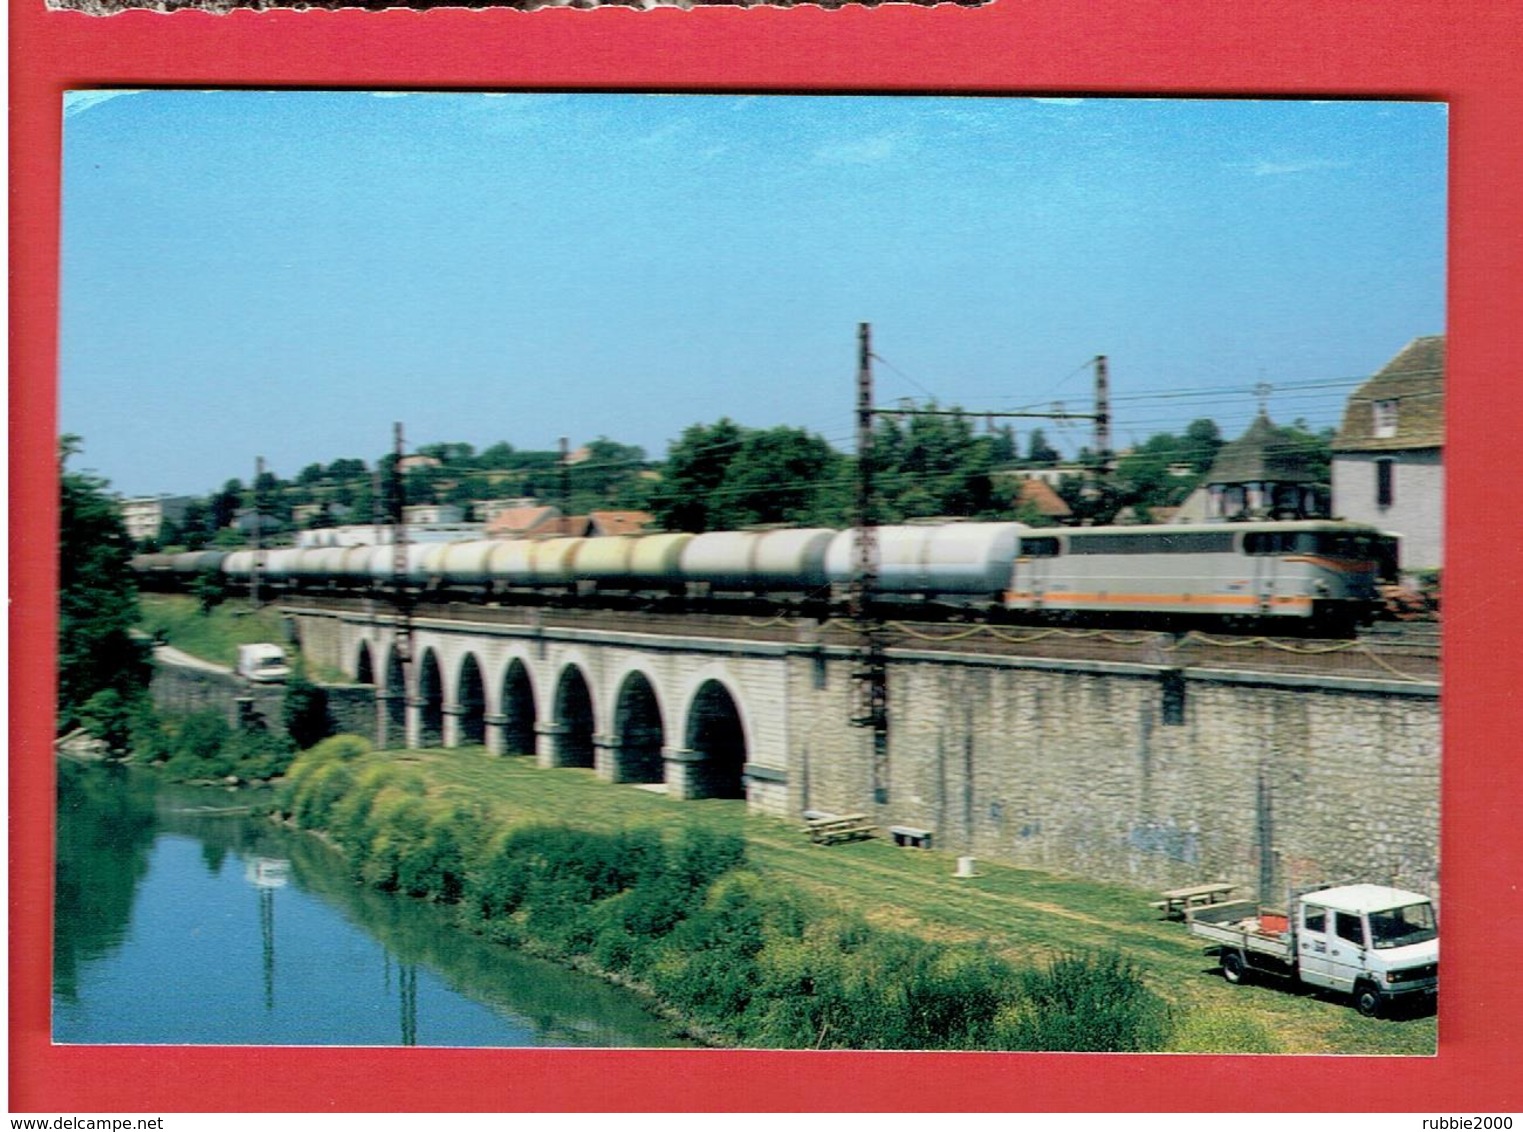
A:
[1234,970]
[1367,1000]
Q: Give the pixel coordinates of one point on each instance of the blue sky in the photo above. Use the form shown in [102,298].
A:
[285,274]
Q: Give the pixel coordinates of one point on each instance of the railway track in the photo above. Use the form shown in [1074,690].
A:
[1390,650]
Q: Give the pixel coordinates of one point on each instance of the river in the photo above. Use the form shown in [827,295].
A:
[183,920]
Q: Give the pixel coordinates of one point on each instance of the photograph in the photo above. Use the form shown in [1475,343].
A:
[472,555]
[874,559]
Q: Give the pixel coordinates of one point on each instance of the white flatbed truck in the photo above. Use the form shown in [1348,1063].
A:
[1375,943]
[263,664]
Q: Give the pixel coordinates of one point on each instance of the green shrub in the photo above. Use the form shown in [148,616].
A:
[719,942]
[349,824]
[344,747]
[1086,1003]
[256,752]
[433,864]
[107,717]
[150,740]
[313,796]
[393,829]
[702,855]
[198,746]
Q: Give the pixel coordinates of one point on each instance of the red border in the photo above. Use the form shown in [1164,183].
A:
[1462,52]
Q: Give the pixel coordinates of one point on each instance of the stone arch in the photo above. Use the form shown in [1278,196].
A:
[638,731]
[392,697]
[518,712]
[716,735]
[470,703]
[430,701]
[573,719]
[364,665]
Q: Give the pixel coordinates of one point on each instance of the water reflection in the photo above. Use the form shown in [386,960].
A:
[183,920]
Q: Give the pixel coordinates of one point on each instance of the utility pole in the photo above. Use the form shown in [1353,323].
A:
[258,564]
[563,484]
[871,672]
[377,505]
[1102,415]
[400,596]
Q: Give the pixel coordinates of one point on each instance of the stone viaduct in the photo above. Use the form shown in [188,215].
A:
[1142,773]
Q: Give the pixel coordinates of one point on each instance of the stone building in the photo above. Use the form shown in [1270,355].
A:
[1388,457]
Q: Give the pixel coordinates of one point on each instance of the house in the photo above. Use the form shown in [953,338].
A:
[432,514]
[1388,456]
[145,516]
[1257,476]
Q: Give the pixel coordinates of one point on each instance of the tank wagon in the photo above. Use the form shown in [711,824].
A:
[1320,575]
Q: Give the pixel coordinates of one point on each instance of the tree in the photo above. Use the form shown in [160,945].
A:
[97,599]
[1202,441]
[1039,452]
[606,477]
[1314,450]
[934,465]
[695,468]
[224,505]
[347,469]
[451,454]
[194,528]
[776,477]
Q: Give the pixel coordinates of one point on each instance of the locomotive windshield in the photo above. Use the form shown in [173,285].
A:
[1399,927]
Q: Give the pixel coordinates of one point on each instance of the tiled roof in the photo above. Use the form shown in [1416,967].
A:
[1259,456]
[1039,494]
[620,522]
[521,521]
[1414,379]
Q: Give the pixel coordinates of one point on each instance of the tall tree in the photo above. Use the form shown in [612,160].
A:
[1202,441]
[777,476]
[97,598]
[1039,452]
[224,504]
[687,498]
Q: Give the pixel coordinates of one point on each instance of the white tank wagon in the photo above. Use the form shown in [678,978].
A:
[418,565]
[959,563]
[790,561]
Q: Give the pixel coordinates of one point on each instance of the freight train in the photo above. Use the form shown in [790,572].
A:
[1318,577]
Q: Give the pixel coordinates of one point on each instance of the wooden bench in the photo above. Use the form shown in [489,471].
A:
[830,828]
[909,835]
[1176,900]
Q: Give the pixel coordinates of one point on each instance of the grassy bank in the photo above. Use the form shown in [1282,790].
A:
[785,909]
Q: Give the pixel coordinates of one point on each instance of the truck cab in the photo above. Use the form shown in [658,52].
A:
[1376,943]
[263,663]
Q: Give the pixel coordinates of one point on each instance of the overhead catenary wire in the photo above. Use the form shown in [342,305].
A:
[1316,397]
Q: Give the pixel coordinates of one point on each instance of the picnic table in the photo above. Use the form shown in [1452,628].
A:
[830,828]
[1176,900]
